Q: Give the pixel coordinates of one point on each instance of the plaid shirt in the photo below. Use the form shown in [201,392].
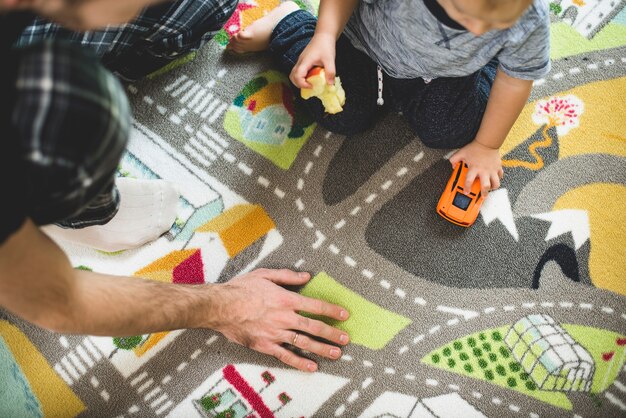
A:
[71,121]
[159,35]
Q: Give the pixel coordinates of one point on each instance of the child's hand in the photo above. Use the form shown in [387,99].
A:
[483,162]
[320,52]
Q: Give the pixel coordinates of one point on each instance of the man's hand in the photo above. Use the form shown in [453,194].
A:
[253,310]
[483,162]
[38,283]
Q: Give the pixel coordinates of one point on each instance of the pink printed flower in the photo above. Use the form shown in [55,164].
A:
[561,112]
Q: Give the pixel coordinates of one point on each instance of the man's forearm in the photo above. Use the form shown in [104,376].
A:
[506,101]
[333,16]
[110,305]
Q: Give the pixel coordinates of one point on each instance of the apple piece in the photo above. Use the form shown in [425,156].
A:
[333,97]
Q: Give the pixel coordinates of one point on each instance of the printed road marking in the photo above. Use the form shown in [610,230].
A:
[385,284]
[367,363]
[402,172]
[434,329]
[608,310]
[195,354]
[300,184]
[419,156]
[355,210]
[205,101]
[418,338]
[105,395]
[465,313]
[229,157]
[308,222]
[431,382]
[194,154]
[317,151]
[245,169]
[333,249]
[163,408]
[182,366]
[299,263]
[211,340]
[400,293]
[77,363]
[366,383]
[61,372]
[586,306]
[367,274]
[92,349]
[94,382]
[353,396]
[320,240]
[133,409]
[175,84]
[279,193]
[64,342]
[349,261]
[166,380]
[210,108]
[409,377]
[72,371]
[220,110]
[145,385]
[371,198]
[339,411]
[197,98]
[152,393]
[193,90]
[340,224]
[182,88]
[386,185]
[308,167]
[420,301]
[264,182]
[138,379]
[158,401]
[299,204]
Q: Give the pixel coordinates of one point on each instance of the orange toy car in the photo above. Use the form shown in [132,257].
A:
[454,205]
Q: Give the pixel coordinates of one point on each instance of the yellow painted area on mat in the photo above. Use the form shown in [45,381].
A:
[152,340]
[239,227]
[270,95]
[369,325]
[602,122]
[55,396]
[250,15]
[168,263]
[604,204]
[164,276]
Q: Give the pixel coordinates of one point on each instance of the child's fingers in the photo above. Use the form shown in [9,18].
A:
[495,181]
[455,158]
[329,70]
[469,179]
[298,76]
[485,183]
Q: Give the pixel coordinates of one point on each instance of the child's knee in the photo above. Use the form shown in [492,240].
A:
[444,135]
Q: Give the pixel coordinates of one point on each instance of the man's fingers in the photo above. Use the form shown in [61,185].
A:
[284,276]
[319,329]
[319,307]
[293,360]
[307,343]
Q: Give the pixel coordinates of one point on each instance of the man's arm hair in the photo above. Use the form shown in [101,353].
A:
[38,283]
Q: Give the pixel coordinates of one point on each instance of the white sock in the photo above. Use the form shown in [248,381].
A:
[147,210]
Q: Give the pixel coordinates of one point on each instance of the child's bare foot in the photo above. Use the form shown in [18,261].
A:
[256,37]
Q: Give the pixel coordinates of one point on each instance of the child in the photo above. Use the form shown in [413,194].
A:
[460,71]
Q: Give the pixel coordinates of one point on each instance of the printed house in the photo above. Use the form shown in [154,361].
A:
[550,355]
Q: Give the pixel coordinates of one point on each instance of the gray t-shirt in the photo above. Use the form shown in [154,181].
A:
[407,41]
